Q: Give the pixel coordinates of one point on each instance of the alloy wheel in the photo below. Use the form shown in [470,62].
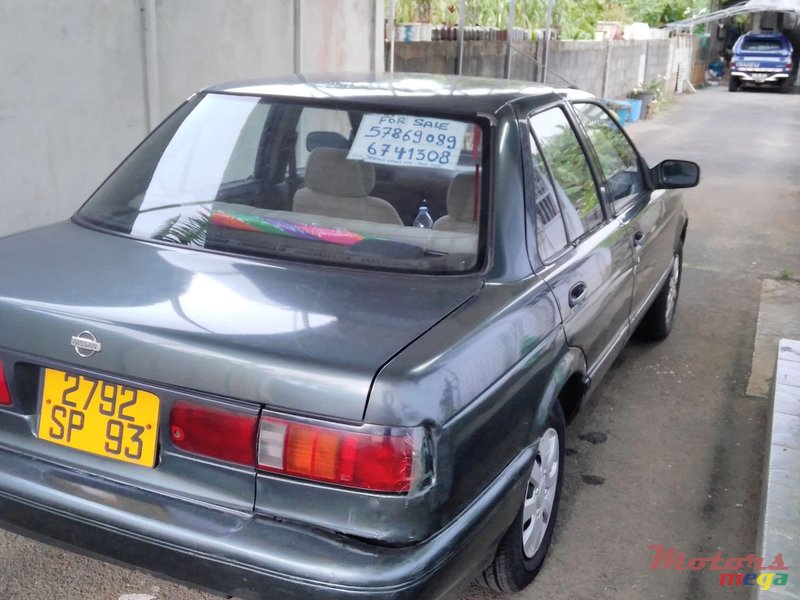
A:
[672,294]
[540,495]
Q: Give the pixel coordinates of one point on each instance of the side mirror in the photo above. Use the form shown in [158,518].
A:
[672,174]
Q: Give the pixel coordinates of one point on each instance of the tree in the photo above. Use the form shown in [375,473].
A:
[575,19]
[656,12]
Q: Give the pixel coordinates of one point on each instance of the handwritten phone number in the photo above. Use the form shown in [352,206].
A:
[411,154]
[415,136]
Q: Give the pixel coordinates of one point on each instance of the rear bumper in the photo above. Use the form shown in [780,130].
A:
[760,77]
[243,555]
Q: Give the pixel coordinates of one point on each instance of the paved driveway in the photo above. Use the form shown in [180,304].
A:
[670,449]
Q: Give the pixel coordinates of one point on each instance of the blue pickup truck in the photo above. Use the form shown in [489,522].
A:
[761,59]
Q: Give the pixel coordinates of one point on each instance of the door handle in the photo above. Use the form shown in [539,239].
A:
[637,238]
[577,293]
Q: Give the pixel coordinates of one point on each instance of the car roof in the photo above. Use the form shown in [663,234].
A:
[440,93]
[764,36]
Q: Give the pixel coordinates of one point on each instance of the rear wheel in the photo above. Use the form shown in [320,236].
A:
[522,550]
[733,84]
[657,322]
[786,85]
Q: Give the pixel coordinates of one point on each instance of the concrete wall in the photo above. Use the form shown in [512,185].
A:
[84,81]
[202,42]
[481,58]
[71,103]
[608,69]
[581,63]
[658,53]
[341,34]
[625,67]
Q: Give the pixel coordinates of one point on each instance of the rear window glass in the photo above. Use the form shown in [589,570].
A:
[247,175]
[762,45]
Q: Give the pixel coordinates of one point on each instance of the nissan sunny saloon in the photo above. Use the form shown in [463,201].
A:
[321,338]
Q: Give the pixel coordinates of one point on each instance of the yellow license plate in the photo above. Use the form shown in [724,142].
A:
[96,416]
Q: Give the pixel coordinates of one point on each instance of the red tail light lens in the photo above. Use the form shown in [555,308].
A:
[369,461]
[212,432]
[5,395]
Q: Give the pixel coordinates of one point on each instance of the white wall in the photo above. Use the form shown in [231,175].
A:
[78,92]
[70,103]
[325,24]
[202,42]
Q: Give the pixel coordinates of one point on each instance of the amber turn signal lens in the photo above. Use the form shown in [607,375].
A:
[354,459]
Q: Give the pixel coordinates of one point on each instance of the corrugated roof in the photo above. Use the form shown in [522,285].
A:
[750,6]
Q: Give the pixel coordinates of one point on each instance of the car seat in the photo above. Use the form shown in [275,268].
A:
[463,205]
[338,187]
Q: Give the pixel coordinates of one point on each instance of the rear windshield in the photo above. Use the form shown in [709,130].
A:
[762,45]
[248,175]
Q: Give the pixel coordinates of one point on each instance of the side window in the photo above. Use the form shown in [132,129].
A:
[551,236]
[572,177]
[618,159]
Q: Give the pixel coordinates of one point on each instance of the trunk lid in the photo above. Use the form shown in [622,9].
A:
[219,331]
[298,337]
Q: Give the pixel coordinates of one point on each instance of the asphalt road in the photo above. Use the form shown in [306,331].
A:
[670,449]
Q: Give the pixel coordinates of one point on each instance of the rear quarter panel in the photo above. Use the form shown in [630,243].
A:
[479,380]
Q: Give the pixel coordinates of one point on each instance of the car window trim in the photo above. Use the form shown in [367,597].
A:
[644,170]
[486,122]
[530,209]
[606,214]
[587,148]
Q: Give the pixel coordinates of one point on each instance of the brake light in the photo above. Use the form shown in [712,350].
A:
[212,432]
[733,64]
[396,461]
[5,395]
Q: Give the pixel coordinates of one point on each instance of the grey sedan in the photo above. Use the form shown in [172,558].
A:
[321,338]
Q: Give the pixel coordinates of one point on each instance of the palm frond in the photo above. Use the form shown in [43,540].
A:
[191,232]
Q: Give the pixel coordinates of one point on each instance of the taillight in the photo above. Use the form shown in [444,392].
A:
[733,65]
[215,433]
[381,460]
[5,395]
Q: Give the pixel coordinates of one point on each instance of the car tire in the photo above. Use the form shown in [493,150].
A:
[733,84]
[521,553]
[658,320]
[786,86]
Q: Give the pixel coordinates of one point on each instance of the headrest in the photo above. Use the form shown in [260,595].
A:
[329,172]
[461,198]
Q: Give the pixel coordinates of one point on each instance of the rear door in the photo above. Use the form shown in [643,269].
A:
[586,253]
[650,217]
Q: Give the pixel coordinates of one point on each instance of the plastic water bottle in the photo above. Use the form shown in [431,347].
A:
[423,220]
